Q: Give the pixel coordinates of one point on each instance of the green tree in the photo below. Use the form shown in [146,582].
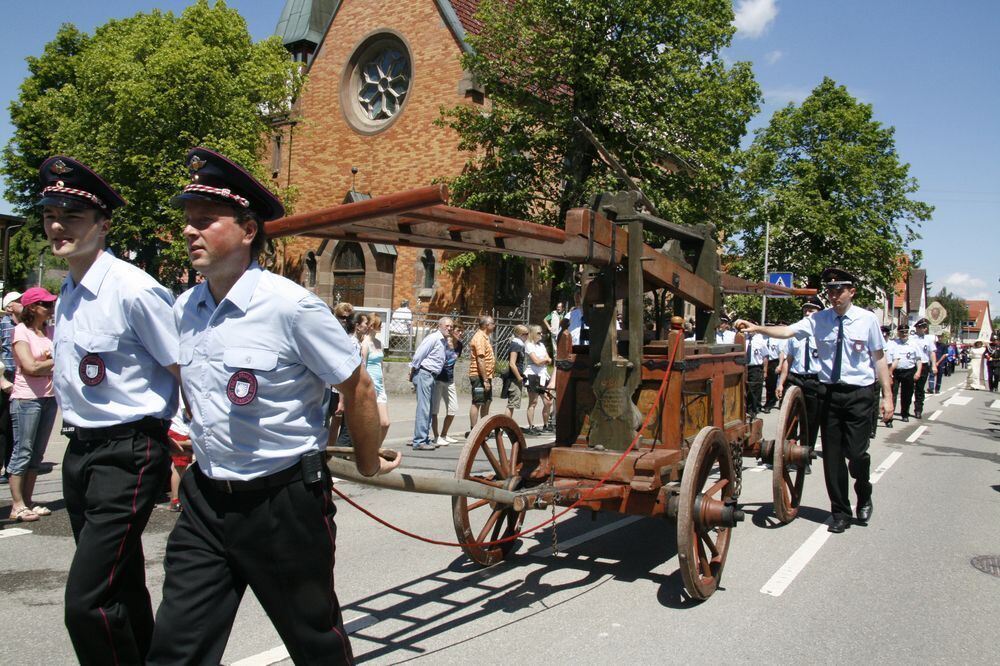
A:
[827,177]
[646,76]
[130,100]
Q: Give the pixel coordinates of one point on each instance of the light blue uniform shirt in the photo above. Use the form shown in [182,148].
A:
[904,354]
[925,345]
[796,350]
[725,337]
[862,338]
[255,369]
[757,344]
[774,348]
[114,335]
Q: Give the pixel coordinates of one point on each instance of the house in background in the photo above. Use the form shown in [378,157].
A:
[980,323]
[909,302]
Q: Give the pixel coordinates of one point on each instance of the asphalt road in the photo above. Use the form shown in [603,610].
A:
[901,590]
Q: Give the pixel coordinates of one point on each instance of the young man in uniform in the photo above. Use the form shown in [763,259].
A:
[905,367]
[801,368]
[756,370]
[256,354]
[724,335]
[775,348]
[115,381]
[925,343]
[876,389]
[850,359]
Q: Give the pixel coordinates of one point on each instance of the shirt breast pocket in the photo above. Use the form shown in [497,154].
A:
[249,358]
[95,342]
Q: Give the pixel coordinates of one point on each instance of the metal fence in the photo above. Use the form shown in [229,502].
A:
[406,334]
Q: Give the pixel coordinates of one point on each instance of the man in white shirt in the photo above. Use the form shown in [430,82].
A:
[904,366]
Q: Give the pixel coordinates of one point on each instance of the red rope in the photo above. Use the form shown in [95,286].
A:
[581,499]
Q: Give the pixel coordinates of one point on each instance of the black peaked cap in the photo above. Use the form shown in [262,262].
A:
[838,277]
[69,183]
[215,177]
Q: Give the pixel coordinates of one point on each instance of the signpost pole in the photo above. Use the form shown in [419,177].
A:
[767,243]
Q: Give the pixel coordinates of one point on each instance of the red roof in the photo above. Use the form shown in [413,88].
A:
[466,11]
[978,310]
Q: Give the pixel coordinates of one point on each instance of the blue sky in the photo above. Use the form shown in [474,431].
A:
[928,68]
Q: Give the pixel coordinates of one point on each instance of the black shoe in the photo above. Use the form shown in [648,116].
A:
[919,415]
[865,513]
[839,525]
[766,410]
[905,418]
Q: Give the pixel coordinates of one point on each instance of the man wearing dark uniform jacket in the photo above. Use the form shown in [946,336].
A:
[257,352]
[851,357]
[115,381]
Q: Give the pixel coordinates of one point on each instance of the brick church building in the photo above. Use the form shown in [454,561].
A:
[364,125]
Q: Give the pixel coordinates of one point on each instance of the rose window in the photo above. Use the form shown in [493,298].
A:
[384,83]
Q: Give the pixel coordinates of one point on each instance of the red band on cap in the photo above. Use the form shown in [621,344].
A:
[218,191]
[59,189]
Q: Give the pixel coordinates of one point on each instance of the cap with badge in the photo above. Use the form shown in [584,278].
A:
[812,303]
[724,319]
[10,297]
[921,323]
[837,277]
[215,177]
[69,183]
[886,328]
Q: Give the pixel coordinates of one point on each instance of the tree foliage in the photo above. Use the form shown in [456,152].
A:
[827,177]
[130,100]
[646,76]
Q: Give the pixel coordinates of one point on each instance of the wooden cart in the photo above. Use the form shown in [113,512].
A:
[646,422]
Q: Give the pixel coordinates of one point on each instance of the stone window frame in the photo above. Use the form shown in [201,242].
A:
[363,49]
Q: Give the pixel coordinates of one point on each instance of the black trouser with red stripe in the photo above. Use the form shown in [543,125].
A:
[845,413]
[110,486]
[280,541]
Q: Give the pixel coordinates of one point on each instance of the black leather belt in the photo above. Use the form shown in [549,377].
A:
[148,425]
[805,375]
[276,480]
[847,388]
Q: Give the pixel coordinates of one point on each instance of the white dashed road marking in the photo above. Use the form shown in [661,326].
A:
[784,576]
[959,400]
[935,415]
[13,531]
[916,434]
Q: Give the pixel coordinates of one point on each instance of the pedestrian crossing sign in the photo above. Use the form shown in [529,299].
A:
[780,280]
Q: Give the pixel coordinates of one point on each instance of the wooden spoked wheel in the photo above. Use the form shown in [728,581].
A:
[706,512]
[790,460]
[492,456]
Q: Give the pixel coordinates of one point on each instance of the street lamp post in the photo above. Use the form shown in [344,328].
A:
[767,243]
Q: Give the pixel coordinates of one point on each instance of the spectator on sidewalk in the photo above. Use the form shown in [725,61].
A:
[344,313]
[444,388]
[428,361]
[482,365]
[513,379]
[552,321]
[32,401]
[537,374]
[372,355]
[11,318]
[577,326]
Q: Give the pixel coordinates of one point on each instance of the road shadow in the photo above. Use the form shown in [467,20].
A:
[462,594]
[764,517]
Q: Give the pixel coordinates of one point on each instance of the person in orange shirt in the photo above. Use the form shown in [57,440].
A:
[482,364]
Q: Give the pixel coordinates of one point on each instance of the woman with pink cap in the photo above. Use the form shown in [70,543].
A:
[32,400]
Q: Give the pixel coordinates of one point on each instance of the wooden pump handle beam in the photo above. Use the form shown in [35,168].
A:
[380,206]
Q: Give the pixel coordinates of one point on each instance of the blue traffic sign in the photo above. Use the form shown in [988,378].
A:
[780,280]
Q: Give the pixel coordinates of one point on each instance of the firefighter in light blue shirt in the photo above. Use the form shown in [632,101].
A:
[801,368]
[905,366]
[114,374]
[256,354]
[851,359]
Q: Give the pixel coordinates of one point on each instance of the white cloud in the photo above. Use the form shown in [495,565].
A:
[782,96]
[967,286]
[754,16]
[773,57]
